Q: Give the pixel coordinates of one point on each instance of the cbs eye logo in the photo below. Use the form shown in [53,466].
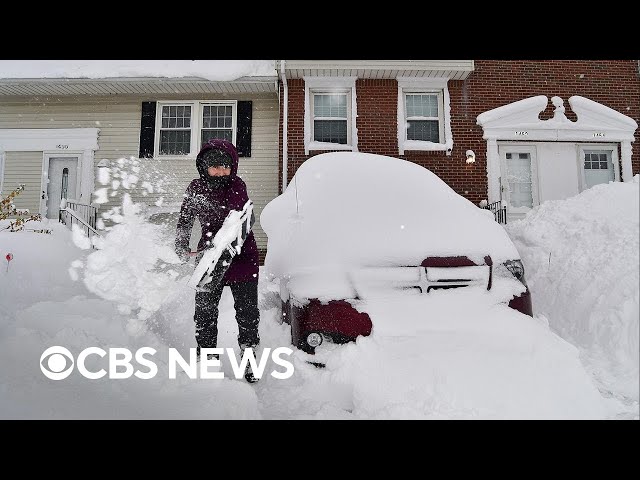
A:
[56,363]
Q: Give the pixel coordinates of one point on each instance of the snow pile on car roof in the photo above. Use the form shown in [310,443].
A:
[581,257]
[356,209]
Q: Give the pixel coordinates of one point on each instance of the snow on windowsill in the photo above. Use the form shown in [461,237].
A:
[328,146]
[425,146]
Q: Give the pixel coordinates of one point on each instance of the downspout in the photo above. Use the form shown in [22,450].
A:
[285,120]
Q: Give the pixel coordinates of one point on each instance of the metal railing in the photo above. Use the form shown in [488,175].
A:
[85,216]
[499,211]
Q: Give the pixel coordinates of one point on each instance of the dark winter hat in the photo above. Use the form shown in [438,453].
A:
[216,158]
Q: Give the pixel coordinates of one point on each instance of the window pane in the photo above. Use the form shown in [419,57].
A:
[422,105]
[424,130]
[333,131]
[519,180]
[217,116]
[175,142]
[176,116]
[221,134]
[330,105]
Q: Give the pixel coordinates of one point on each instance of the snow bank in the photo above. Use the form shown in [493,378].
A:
[344,210]
[454,355]
[214,70]
[43,303]
[582,266]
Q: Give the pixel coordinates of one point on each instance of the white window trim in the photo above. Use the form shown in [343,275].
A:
[597,146]
[330,85]
[196,124]
[421,85]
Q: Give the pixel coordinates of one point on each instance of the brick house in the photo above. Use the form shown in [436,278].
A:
[527,149]
[539,130]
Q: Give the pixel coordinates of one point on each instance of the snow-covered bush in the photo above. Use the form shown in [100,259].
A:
[8,209]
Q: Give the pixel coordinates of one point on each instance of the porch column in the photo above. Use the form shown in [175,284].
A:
[627,171]
[493,171]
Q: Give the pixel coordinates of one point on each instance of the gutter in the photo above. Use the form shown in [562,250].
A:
[285,120]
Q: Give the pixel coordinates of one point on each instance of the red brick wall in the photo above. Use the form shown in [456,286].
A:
[614,83]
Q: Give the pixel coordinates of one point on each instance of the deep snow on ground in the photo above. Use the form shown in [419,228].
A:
[450,355]
[581,258]
[480,360]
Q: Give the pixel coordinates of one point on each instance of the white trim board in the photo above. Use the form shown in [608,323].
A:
[426,85]
[595,123]
[327,84]
[53,139]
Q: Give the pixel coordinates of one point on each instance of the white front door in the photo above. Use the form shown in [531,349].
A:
[63,174]
[597,167]
[518,179]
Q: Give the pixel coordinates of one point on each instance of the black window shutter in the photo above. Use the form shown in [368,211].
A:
[243,134]
[147,129]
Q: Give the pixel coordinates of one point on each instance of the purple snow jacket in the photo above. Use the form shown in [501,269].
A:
[211,206]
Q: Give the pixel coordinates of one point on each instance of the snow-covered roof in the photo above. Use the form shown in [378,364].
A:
[213,70]
[520,120]
[100,77]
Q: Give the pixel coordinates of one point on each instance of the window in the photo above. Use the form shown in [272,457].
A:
[423,115]
[519,180]
[330,112]
[217,122]
[182,128]
[175,131]
[423,120]
[330,117]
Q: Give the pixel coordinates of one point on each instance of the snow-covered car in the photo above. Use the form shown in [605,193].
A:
[353,225]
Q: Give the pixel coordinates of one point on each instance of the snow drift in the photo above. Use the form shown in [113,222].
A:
[582,266]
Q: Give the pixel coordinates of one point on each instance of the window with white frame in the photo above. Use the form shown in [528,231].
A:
[330,119]
[182,128]
[423,116]
[424,121]
[330,113]
[217,122]
[175,130]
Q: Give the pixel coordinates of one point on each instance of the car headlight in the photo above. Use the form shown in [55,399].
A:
[516,268]
[314,339]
